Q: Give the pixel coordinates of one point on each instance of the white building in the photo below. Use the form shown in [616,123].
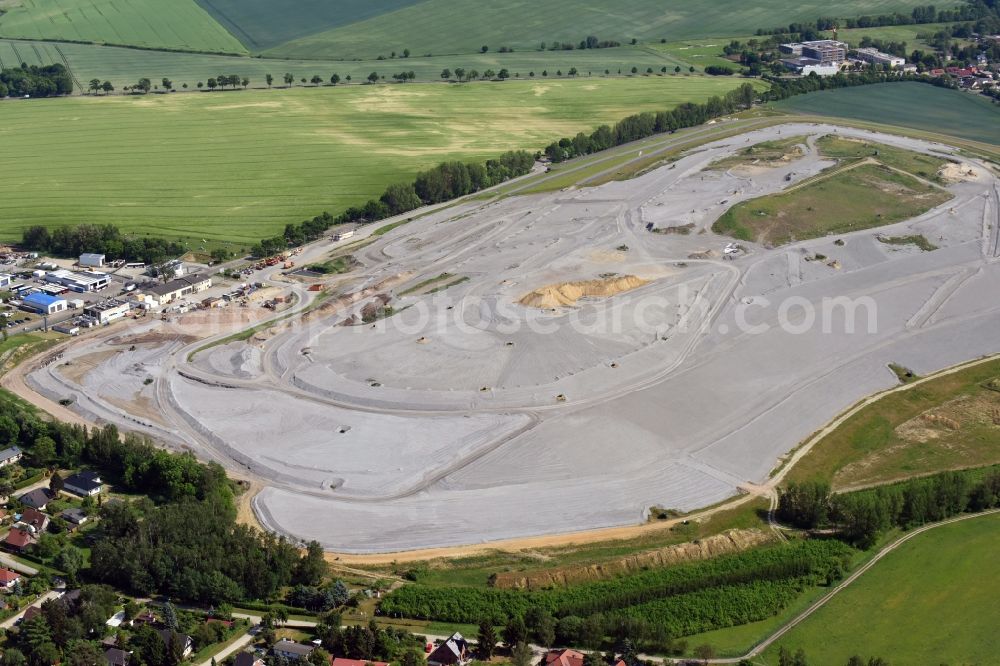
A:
[91,260]
[106,312]
[876,57]
[5,280]
[44,303]
[162,294]
[79,282]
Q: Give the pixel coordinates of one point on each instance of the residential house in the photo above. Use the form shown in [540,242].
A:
[74,516]
[455,650]
[247,659]
[117,657]
[291,650]
[31,612]
[84,483]
[19,540]
[10,455]
[186,640]
[567,657]
[38,498]
[8,578]
[34,520]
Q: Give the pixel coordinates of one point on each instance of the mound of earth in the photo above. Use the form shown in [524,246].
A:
[568,293]
[731,541]
[960,172]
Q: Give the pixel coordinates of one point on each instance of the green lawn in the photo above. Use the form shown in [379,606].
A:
[891,33]
[931,601]
[125,66]
[173,24]
[464,26]
[867,196]
[239,165]
[915,105]
[870,447]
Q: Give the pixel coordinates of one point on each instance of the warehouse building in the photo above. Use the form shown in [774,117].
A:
[106,312]
[166,293]
[823,57]
[45,304]
[91,260]
[81,282]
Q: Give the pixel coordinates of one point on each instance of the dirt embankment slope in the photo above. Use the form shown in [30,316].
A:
[719,544]
[568,293]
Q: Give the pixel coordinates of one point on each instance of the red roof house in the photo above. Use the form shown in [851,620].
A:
[18,540]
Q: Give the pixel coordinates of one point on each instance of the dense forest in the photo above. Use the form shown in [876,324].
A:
[35,81]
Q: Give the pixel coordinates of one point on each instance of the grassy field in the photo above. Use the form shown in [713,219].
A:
[125,66]
[463,26]
[239,165]
[849,199]
[767,153]
[912,432]
[931,601]
[173,24]
[890,33]
[915,105]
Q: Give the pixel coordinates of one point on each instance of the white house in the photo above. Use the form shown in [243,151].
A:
[92,260]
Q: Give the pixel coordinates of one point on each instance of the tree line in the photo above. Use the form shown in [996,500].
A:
[863,516]
[35,81]
[805,31]
[647,124]
[67,241]
[446,181]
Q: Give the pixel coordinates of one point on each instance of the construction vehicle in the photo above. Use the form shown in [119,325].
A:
[288,264]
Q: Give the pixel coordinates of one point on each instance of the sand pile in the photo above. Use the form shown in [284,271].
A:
[568,293]
[961,172]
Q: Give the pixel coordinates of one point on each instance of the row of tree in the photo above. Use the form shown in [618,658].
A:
[647,124]
[865,515]
[67,241]
[919,15]
[35,81]
[444,182]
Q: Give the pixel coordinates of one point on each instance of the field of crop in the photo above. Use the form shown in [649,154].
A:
[932,600]
[125,66]
[177,24]
[464,26]
[241,164]
[890,33]
[853,198]
[914,105]
[888,439]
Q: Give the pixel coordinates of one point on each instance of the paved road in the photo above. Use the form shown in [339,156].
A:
[11,621]
[233,648]
[11,563]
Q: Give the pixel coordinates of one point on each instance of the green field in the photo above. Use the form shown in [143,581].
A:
[239,165]
[850,199]
[914,105]
[931,601]
[172,24]
[890,440]
[125,66]
[463,26]
[891,33]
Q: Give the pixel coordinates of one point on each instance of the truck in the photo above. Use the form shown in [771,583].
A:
[343,235]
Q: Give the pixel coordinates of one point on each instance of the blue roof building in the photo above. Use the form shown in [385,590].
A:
[45,303]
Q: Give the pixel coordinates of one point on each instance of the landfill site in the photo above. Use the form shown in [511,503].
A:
[558,362]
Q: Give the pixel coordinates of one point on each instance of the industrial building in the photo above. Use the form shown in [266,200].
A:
[45,304]
[166,293]
[91,260]
[822,57]
[79,282]
[5,280]
[876,57]
[106,312]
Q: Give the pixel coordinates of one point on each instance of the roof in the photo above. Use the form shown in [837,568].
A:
[11,452]
[85,480]
[37,498]
[165,636]
[74,515]
[34,517]
[19,538]
[177,284]
[455,647]
[8,576]
[91,255]
[117,656]
[292,647]
[246,659]
[43,300]
[564,658]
